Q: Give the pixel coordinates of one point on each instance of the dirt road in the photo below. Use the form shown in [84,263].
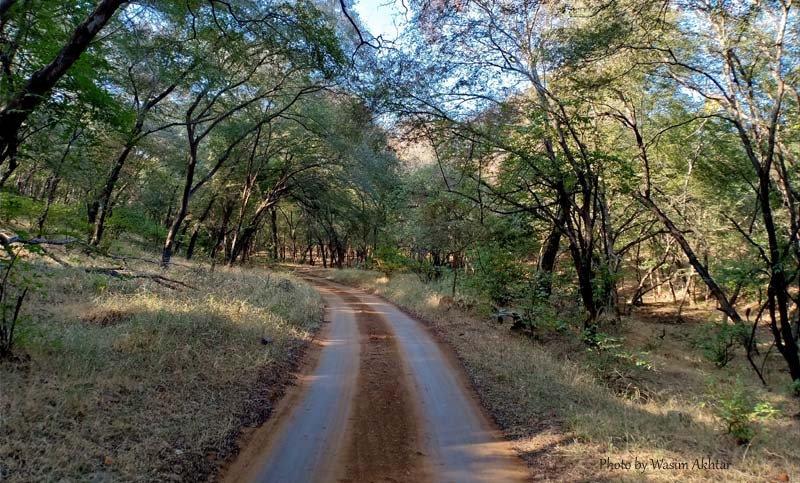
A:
[380,401]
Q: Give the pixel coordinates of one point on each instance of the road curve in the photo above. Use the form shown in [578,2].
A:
[311,437]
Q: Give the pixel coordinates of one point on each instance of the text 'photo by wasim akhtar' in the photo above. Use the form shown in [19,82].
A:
[408,241]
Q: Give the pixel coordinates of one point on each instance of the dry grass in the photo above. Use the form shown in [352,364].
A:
[568,409]
[130,381]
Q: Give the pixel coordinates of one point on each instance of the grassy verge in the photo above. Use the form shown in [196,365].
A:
[128,380]
[573,413]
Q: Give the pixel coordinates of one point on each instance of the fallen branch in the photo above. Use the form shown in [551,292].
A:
[8,239]
[117,272]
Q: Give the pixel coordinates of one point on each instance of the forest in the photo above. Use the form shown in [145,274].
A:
[594,204]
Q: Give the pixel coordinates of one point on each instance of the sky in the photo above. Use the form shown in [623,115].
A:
[382,17]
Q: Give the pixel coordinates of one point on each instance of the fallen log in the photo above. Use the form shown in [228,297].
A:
[119,272]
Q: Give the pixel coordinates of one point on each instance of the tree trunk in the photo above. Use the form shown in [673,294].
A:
[223,227]
[13,163]
[547,262]
[52,186]
[273,218]
[192,242]
[583,265]
[183,209]
[102,204]
[196,231]
[340,255]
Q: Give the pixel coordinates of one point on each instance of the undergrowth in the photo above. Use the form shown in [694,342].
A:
[640,393]
[127,380]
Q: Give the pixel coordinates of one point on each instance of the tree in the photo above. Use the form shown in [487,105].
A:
[24,99]
[734,60]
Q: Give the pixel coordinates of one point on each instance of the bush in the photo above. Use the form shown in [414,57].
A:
[390,260]
[719,347]
[498,276]
[14,285]
[611,355]
[124,220]
[738,409]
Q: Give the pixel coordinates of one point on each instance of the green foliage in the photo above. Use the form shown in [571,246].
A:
[390,260]
[742,272]
[609,352]
[426,270]
[25,211]
[125,220]
[14,207]
[719,341]
[498,275]
[15,282]
[739,410]
[538,315]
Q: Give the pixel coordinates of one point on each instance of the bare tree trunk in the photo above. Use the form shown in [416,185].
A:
[547,262]
[183,208]
[102,205]
[196,231]
[13,164]
[273,218]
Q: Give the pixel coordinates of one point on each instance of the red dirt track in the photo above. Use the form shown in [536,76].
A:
[380,401]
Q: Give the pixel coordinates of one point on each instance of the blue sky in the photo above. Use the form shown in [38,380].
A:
[381,17]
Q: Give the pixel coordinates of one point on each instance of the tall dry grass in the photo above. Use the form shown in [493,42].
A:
[128,380]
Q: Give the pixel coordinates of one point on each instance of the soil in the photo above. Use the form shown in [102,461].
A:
[378,401]
[385,441]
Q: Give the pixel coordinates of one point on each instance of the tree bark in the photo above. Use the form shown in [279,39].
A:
[273,217]
[101,205]
[186,194]
[547,262]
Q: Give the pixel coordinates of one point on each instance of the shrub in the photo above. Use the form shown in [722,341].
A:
[124,220]
[14,286]
[498,274]
[611,355]
[390,260]
[719,347]
[738,409]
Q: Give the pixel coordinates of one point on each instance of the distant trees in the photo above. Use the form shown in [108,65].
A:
[534,150]
[190,133]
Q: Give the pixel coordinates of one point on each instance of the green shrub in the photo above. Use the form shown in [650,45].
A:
[124,220]
[739,411]
[719,347]
[610,354]
[498,276]
[61,219]
[390,260]
[15,207]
